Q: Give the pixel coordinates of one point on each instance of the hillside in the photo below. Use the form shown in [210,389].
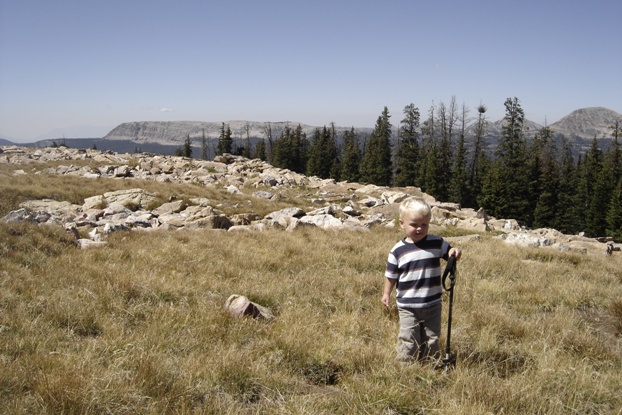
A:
[136,320]
[325,203]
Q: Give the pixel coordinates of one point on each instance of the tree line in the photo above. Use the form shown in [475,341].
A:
[536,181]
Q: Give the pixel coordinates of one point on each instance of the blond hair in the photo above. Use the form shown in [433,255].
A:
[415,204]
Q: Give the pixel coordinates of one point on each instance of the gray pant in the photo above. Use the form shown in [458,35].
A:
[420,329]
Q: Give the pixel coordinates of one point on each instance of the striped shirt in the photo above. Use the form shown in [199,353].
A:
[417,269]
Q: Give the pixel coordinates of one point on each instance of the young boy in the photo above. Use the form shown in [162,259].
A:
[414,268]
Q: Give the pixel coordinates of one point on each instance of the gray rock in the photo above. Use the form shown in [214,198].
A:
[233,190]
[262,194]
[115,209]
[50,206]
[114,227]
[133,198]
[322,221]
[19,215]
[240,306]
[292,212]
[244,218]
[526,240]
[257,227]
[94,202]
[140,220]
[350,211]
[391,196]
[170,207]
[371,202]
[327,210]
[88,243]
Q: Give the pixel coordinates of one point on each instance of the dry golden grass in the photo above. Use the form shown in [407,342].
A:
[15,189]
[138,326]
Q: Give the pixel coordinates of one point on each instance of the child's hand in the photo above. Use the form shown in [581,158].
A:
[386,300]
[455,252]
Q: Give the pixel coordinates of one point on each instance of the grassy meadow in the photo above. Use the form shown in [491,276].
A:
[139,326]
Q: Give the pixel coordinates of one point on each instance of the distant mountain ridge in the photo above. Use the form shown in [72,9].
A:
[175,132]
[580,127]
[584,124]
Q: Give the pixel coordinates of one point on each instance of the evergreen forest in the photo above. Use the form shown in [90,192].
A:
[537,181]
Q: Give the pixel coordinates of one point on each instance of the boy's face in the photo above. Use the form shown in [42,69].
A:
[415,225]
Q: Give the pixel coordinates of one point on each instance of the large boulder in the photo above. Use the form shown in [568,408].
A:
[19,215]
[292,212]
[131,198]
[50,206]
[322,221]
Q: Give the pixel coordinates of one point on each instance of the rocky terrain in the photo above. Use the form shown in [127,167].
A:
[332,206]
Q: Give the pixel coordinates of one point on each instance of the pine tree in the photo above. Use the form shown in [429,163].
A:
[376,166]
[606,182]
[260,150]
[479,161]
[590,170]
[614,162]
[322,153]
[491,195]
[599,204]
[225,142]
[300,149]
[429,166]
[408,148]
[282,151]
[431,174]
[351,156]
[459,186]
[186,150]
[247,148]
[335,154]
[567,209]
[204,149]
[545,209]
[314,161]
[448,119]
[544,184]
[614,213]
[459,190]
[504,192]
[268,147]
[290,150]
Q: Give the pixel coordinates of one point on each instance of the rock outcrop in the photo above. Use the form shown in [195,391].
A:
[336,206]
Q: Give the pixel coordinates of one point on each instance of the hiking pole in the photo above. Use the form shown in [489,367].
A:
[450,270]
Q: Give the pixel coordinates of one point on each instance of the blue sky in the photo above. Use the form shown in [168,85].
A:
[72,67]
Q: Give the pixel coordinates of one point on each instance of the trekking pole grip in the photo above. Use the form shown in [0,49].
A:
[450,270]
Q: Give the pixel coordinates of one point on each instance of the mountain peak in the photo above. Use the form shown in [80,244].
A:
[587,123]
